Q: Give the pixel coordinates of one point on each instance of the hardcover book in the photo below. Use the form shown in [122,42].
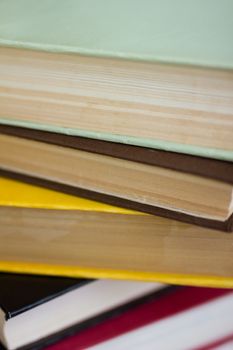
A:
[44,231]
[155,73]
[183,187]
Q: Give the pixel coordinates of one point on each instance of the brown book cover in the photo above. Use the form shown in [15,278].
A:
[220,170]
[226,226]
[212,168]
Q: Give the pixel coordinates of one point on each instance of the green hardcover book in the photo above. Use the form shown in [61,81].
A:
[151,73]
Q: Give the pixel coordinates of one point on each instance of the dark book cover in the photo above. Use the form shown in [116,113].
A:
[19,293]
[206,167]
[209,168]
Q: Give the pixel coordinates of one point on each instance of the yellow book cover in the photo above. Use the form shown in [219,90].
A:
[47,232]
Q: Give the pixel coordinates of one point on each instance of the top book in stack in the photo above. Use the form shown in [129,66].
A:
[157,72]
[154,74]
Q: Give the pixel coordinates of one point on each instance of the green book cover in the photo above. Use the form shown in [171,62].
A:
[178,31]
[183,32]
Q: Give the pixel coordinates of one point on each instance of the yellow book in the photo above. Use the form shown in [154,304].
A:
[47,232]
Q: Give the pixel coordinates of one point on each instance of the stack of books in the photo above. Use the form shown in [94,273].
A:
[116,163]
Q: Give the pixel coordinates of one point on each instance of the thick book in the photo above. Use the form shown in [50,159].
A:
[44,231]
[160,78]
[194,318]
[39,310]
[183,187]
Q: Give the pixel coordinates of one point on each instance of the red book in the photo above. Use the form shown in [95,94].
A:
[187,318]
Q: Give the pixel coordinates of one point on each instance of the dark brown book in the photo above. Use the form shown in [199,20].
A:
[207,167]
[187,188]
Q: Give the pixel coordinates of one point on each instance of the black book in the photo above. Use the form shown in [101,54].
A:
[37,310]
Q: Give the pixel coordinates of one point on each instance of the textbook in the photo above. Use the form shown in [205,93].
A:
[48,232]
[183,187]
[40,310]
[156,74]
